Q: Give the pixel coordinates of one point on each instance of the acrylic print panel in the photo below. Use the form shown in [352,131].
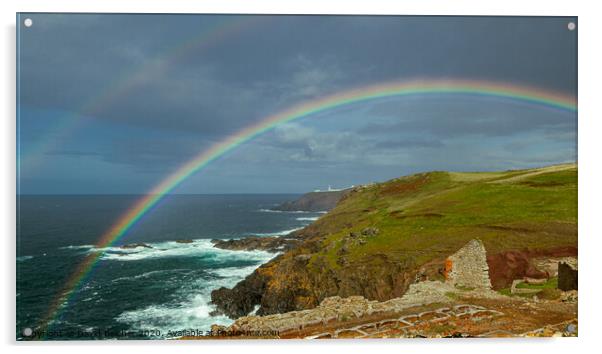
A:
[270,176]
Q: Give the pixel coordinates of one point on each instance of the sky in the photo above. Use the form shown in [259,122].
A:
[115,103]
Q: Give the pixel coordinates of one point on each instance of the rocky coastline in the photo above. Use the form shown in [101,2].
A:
[379,241]
[272,244]
[461,305]
[314,201]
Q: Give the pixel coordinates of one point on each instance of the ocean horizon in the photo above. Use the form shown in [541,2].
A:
[164,286]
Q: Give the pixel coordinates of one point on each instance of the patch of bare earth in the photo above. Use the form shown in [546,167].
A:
[467,317]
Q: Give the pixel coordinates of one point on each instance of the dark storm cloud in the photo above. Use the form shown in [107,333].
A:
[64,152]
[162,90]
[456,117]
[408,143]
[153,155]
[73,62]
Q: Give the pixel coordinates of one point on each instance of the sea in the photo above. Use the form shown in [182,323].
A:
[137,293]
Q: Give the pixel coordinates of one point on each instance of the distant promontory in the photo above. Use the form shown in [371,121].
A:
[314,201]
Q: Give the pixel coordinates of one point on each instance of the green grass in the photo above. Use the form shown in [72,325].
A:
[552,283]
[549,289]
[452,296]
[506,291]
[430,215]
[464,288]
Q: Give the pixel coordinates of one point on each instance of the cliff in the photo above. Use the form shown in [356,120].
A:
[314,201]
[380,239]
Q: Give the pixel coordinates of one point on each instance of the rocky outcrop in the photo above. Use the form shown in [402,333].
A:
[269,244]
[299,280]
[240,300]
[136,245]
[184,241]
[507,266]
[567,276]
[314,201]
[302,278]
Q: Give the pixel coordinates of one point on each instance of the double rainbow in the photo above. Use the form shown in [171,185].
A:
[394,89]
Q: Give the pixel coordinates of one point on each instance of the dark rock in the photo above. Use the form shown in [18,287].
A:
[342,261]
[270,244]
[284,284]
[370,231]
[240,300]
[135,245]
[303,258]
[343,250]
[506,266]
[567,277]
[184,241]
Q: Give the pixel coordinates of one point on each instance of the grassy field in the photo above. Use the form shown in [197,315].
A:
[431,215]
[549,289]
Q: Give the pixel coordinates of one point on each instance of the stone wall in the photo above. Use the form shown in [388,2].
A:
[468,267]
[344,309]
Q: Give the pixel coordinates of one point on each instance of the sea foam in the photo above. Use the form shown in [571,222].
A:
[278,233]
[309,218]
[194,311]
[197,248]
[289,211]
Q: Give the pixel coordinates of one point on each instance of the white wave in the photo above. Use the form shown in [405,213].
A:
[76,247]
[198,248]
[254,311]
[237,273]
[23,258]
[277,233]
[191,308]
[147,275]
[192,314]
[314,218]
[289,211]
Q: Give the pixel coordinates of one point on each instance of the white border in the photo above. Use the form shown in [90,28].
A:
[590,174]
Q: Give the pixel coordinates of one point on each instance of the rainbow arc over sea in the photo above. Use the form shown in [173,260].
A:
[425,87]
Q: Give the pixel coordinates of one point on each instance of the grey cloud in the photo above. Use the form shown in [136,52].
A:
[408,143]
[155,79]
[453,118]
[65,152]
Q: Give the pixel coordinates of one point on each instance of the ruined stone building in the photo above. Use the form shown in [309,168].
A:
[468,267]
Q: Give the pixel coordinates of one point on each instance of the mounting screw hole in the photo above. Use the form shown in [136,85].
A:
[571,26]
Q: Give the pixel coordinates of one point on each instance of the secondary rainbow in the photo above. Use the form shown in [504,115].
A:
[529,95]
[124,85]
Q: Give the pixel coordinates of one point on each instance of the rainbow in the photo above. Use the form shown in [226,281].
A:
[124,85]
[216,33]
[363,94]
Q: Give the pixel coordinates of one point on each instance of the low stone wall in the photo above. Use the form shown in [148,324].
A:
[343,309]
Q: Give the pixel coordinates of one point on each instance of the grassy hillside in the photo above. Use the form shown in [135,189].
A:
[430,215]
[381,238]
